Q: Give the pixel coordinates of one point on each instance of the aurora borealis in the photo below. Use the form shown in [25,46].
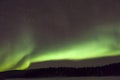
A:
[44,30]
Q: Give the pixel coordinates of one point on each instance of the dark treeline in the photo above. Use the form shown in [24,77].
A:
[107,70]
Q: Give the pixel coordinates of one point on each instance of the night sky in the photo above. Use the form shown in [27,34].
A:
[56,31]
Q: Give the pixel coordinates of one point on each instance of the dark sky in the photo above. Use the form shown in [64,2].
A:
[54,23]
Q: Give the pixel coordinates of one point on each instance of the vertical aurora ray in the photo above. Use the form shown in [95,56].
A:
[14,56]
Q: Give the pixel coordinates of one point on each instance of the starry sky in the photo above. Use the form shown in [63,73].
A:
[54,32]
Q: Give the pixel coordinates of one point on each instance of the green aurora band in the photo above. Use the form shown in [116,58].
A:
[100,43]
[44,30]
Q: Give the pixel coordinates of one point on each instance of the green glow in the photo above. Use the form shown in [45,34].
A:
[100,42]
[78,51]
[12,53]
[19,55]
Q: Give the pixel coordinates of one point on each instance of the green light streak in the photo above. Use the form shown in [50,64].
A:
[19,55]
[12,53]
[76,52]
